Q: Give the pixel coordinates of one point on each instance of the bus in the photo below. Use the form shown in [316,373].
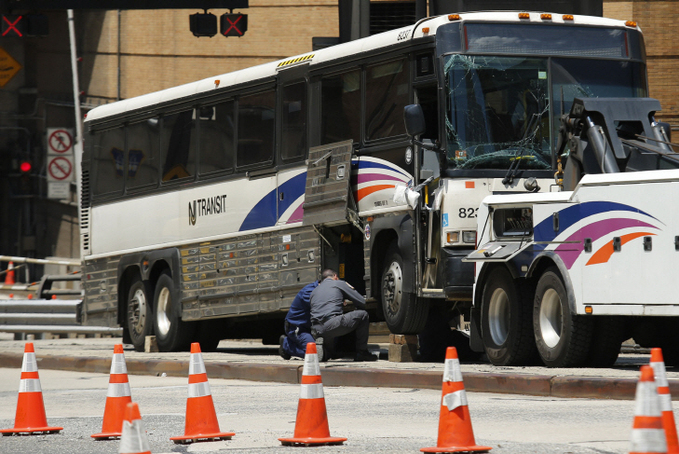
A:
[206,207]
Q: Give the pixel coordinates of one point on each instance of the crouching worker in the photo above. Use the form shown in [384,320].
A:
[329,321]
[297,325]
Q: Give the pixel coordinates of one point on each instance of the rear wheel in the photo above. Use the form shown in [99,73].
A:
[563,339]
[403,312]
[506,321]
[139,314]
[172,333]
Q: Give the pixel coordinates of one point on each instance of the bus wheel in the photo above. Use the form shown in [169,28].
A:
[506,321]
[403,312]
[139,314]
[562,338]
[172,333]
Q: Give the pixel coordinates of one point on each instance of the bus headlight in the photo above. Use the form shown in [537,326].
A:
[469,236]
[453,237]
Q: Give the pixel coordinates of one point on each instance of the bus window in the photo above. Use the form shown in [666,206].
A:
[177,146]
[386,96]
[108,159]
[143,142]
[217,133]
[256,129]
[293,122]
[341,107]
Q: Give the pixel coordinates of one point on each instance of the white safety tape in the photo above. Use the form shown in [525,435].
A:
[118,364]
[196,364]
[665,402]
[646,401]
[451,370]
[118,390]
[648,440]
[29,385]
[311,366]
[199,389]
[454,400]
[133,438]
[313,391]
[659,374]
[29,364]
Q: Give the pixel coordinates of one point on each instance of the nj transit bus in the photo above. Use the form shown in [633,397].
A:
[207,207]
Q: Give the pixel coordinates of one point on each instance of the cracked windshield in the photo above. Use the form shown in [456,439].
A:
[499,109]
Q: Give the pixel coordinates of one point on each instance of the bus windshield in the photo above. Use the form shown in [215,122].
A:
[500,109]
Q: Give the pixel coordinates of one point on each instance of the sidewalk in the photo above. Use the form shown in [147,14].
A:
[250,360]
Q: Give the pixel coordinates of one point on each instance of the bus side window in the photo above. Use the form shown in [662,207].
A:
[427,98]
[387,93]
[177,146]
[341,107]
[256,129]
[293,122]
[217,138]
[143,142]
[108,159]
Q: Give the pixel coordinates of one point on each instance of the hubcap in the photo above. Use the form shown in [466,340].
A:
[163,315]
[137,311]
[498,316]
[550,318]
[392,288]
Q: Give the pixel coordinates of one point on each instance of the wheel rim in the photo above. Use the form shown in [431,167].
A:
[137,311]
[163,312]
[550,318]
[498,316]
[392,288]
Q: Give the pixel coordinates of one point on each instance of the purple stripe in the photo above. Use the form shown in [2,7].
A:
[297,215]
[570,252]
[368,177]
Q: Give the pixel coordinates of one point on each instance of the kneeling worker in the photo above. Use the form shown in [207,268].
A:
[297,325]
[329,321]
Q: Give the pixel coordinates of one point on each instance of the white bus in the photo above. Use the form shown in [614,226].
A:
[206,207]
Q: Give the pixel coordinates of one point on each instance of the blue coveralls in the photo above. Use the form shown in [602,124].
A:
[298,323]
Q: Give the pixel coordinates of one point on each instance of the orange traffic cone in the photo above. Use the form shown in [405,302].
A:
[658,365]
[455,425]
[648,435]
[9,275]
[311,425]
[30,415]
[133,439]
[117,398]
[201,420]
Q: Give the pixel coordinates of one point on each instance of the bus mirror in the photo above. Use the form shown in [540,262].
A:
[414,120]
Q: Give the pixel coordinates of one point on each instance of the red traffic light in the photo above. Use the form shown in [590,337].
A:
[233,24]
[25,166]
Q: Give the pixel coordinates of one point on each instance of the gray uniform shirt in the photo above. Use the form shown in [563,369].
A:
[328,299]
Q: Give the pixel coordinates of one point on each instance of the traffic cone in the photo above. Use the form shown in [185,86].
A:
[648,435]
[133,439]
[658,365]
[201,420]
[30,415]
[311,425]
[9,274]
[455,425]
[117,398]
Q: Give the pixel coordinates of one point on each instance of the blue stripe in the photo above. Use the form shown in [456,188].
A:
[292,190]
[374,165]
[264,213]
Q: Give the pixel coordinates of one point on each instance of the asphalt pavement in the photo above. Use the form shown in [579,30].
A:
[251,360]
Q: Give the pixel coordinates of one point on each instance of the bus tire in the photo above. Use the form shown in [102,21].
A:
[563,339]
[139,316]
[172,334]
[506,315]
[403,312]
[609,332]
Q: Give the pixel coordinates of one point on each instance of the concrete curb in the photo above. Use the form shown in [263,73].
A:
[534,385]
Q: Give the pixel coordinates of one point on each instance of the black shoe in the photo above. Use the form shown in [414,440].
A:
[281,350]
[322,354]
[364,355]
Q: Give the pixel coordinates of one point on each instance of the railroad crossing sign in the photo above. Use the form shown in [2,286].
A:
[8,67]
[60,168]
[59,141]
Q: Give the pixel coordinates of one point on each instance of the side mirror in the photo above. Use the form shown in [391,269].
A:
[414,120]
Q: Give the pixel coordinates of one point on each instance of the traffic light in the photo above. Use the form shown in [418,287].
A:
[20,26]
[233,24]
[203,24]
